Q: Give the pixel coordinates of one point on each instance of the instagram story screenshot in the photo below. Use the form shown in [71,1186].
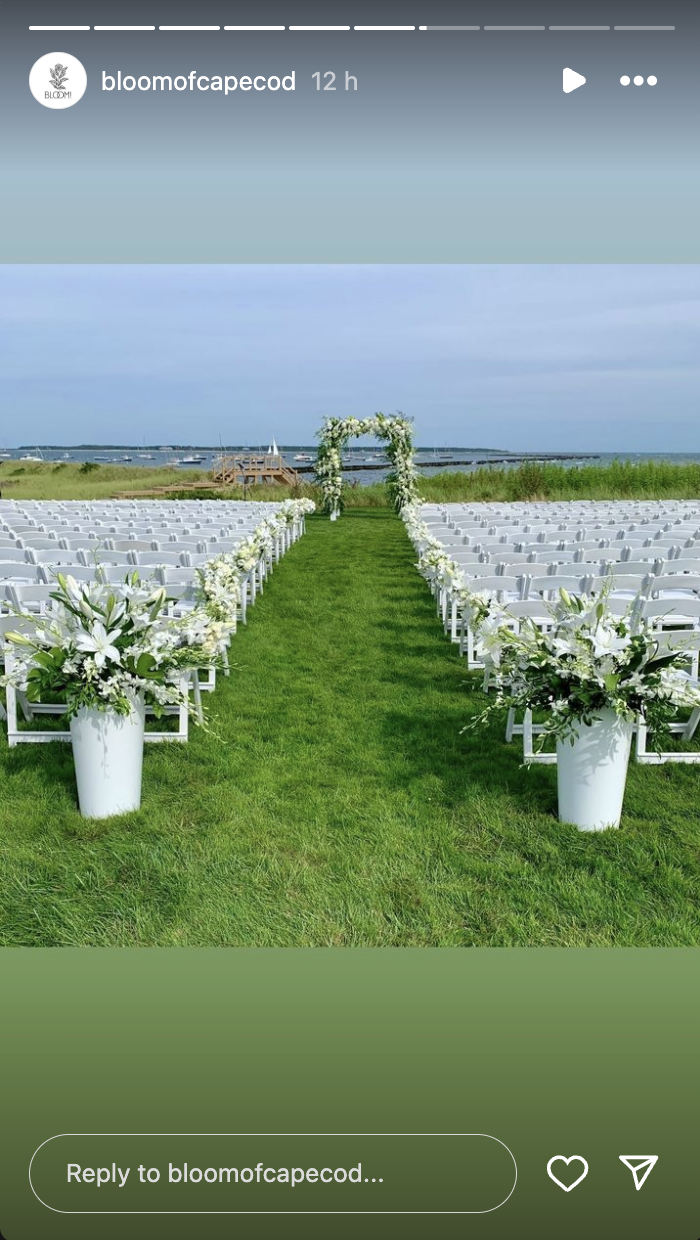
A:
[349,619]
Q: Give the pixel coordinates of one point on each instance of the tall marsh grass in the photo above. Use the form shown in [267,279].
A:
[530,481]
[535,481]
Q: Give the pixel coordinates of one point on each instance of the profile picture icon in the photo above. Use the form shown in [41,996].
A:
[58,80]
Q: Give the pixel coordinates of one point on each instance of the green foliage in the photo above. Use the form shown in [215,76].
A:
[340,806]
[532,480]
[527,483]
[75,481]
[617,480]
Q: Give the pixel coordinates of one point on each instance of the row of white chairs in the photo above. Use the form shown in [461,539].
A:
[658,580]
[39,557]
[176,570]
[626,565]
[665,593]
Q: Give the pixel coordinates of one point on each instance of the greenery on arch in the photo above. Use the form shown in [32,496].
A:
[396,432]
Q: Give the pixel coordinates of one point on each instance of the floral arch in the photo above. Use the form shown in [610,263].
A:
[334,435]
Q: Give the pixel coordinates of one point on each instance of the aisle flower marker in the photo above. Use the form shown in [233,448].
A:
[335,434]
[108,654]
[592,675]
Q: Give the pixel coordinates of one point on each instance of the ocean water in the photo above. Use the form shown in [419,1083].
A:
[369,464]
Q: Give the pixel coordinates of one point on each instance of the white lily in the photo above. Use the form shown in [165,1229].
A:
[98,643]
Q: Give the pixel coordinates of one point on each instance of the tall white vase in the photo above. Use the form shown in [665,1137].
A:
[591,773]
[108,756]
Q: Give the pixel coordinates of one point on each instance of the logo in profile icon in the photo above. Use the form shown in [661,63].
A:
[58,80]
[59,76]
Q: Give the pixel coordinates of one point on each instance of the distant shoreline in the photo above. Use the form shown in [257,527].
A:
[217,448]
[514,459]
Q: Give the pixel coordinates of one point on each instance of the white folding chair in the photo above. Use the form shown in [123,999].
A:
[175,575]
[85,542]
[14,555]
[132,544]
[116,574]
[105,558]
[32,598]
[40,544]
[679,585]
[54,556]
[671,613]
[550,555]
[47,573]
[548,587]
[688,641]
[11,624]
[686,562]
[160,559]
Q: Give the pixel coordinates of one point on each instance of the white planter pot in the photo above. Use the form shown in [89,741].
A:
[108,756]
[591,773]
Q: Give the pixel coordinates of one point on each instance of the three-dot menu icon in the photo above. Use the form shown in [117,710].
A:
[638,80]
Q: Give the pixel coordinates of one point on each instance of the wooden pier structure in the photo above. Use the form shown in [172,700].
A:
[253,469]
[236,470]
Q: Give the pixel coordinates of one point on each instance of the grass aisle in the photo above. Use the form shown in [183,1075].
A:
[341,805]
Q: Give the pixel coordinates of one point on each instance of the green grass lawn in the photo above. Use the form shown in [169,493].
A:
[340,805]
[64,480]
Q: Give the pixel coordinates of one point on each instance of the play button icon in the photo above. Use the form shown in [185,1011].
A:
[572,80]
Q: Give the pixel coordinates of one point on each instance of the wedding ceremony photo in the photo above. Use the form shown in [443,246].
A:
[350,606]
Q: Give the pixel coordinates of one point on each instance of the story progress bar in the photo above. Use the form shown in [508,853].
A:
[339,29]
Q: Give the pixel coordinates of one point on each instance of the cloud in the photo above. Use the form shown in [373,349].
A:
[590,355]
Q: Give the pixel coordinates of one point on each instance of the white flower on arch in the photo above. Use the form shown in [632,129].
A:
[396,432]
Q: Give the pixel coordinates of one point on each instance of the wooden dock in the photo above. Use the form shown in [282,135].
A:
[238,470]
[250,469]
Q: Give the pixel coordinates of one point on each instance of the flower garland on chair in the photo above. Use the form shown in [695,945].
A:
[334,435]
[220,580]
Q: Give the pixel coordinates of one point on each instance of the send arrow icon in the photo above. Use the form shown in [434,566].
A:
[641,1166]
[571,80]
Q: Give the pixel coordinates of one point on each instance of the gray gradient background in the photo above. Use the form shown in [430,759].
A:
[456,147]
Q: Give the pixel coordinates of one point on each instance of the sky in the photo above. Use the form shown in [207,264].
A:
[521,358]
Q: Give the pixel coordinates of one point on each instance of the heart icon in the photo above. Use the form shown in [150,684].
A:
[575,1158]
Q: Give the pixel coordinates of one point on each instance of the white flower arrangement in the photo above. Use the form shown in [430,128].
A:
[437,566]
[103,649]
[416,527]
[584,661]
[293,511]
[219,590]
[396,432]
